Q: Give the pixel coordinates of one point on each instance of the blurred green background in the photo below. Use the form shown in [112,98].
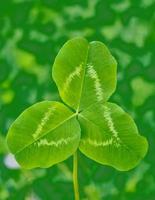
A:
[31,33]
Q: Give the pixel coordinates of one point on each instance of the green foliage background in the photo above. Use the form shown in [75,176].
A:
[31,33]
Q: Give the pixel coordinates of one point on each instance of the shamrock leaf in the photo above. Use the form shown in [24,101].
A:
[85,73]
[50,132]
[110,136]
[44,134]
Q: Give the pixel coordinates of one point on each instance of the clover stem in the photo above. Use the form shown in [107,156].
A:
[75,176]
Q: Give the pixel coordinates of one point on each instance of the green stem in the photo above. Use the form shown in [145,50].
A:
[75,176]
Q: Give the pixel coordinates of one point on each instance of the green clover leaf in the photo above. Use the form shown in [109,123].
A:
[110,136]
[85,73]
[50,132]
[43,135]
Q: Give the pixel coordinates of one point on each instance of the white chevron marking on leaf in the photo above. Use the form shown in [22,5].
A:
[44,120]
[108,118]
[97,84]
[75,73]
[62,141]
[105,143]
[96,143]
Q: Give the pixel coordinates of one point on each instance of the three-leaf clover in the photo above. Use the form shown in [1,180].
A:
[49,132]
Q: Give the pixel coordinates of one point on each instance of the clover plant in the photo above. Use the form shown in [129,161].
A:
[49,132]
